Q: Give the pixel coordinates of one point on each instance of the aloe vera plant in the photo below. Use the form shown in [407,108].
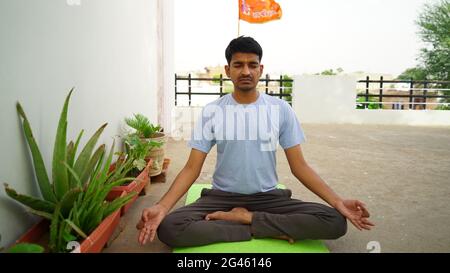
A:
[89,207]
[63,182]
[74,200]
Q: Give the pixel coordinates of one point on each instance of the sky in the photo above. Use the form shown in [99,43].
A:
[374,36]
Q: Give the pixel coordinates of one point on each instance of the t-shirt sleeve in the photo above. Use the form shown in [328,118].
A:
[291,132]
[202,137]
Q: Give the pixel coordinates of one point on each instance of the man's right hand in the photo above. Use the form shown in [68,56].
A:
[150,220]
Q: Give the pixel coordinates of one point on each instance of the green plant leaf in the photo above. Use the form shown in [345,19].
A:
[68,200]
[67,236]
[118,203]
[144,128]
[75,176]
[76,228]
[85,155]
[100,174]
[92,163]
[69,160]
[70,151]
[32,202]
[61,243]
[38,162]
[77,142]
[60,175]
[43,214]
[54,229]
[26,248]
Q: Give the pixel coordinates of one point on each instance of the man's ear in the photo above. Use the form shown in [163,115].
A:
[261,68]
[227,70]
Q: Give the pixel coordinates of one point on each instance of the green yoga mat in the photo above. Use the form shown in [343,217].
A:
[254,245]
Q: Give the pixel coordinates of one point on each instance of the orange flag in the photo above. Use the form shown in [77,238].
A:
[259,11]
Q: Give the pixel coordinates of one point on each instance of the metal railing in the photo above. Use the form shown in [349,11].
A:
[411,86]
[281,88]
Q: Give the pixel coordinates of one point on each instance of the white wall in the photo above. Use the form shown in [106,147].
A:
[332,99]
[323,99]
[106,49]
[183,119]
[166,65]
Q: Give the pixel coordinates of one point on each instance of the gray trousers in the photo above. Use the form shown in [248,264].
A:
[275,213]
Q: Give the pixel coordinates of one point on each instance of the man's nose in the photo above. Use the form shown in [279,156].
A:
[245,70]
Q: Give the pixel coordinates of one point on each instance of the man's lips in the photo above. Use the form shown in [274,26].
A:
[245,80]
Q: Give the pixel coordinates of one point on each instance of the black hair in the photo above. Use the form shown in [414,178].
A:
[244,45]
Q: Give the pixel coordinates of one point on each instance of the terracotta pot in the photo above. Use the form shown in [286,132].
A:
[94,243]
[135,186]
[166,164]
[157,153]
[158,178]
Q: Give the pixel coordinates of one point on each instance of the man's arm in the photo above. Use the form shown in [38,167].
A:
[152,216]
[354,210]
[184,179]
[303,172]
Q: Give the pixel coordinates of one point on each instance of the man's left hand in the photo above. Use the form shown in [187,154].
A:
[356,212]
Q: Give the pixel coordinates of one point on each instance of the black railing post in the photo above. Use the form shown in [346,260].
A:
[425,86]
[189,88]
[221,85]
[281,87]
[423,96]
[267,83]
[175,89]
[366,105]
[411,86]
[381,92]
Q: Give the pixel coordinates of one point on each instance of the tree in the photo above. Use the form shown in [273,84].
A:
[416,73]
[287,88]
[227,87]
[434,30]
[434,24]
[331,72]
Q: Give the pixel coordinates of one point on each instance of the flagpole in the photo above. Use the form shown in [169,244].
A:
[239,26]
[239,18]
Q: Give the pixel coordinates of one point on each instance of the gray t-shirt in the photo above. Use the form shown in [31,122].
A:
[246,136]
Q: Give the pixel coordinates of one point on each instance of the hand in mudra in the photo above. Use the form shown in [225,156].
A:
[356,212]
[150,220]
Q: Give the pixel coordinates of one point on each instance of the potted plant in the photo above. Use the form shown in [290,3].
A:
[136,166]
[74,203]
[148,132]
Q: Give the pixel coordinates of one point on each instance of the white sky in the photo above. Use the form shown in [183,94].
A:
[375,36]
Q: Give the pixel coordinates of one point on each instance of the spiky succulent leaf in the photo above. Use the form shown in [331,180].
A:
[38,163]
[92,163]
[32,202]
[85,155]
[60,174]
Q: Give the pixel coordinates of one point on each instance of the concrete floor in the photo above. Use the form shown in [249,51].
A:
[401,172]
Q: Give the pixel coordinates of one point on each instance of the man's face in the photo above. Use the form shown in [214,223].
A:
[244,71]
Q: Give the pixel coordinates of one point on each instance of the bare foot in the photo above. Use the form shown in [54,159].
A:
[285,237]
[240,215]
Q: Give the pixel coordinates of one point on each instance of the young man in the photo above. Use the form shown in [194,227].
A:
[244,201]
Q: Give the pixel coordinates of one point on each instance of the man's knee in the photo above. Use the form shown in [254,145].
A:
[339,223]
[168,230]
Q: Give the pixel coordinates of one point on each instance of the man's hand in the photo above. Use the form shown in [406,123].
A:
[356,212]
[150,220]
